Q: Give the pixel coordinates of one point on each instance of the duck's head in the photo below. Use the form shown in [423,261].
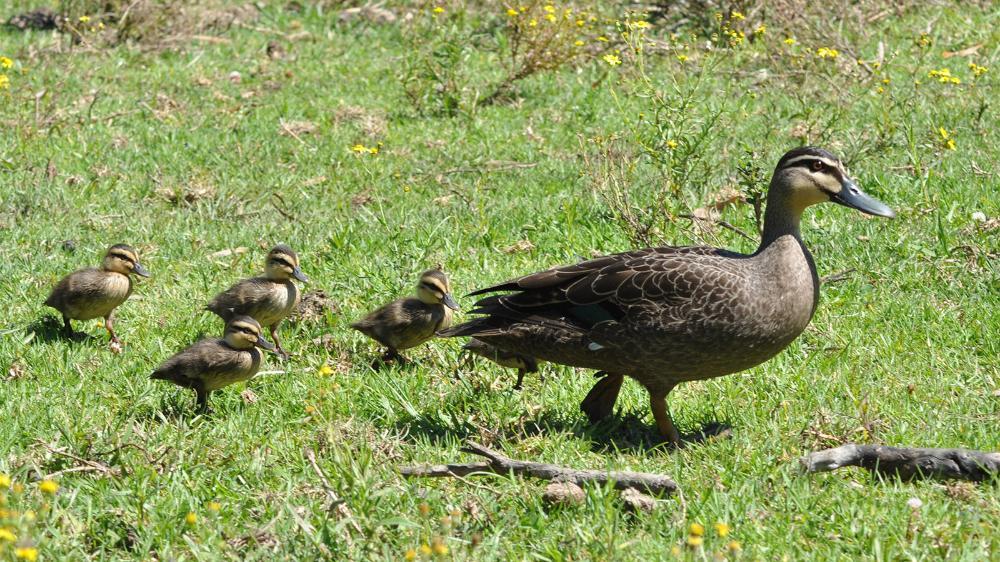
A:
[283,264]
[243,332]
[809,175]
[122,258]
[434,288]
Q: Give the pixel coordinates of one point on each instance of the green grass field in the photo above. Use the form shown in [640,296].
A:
[158,144]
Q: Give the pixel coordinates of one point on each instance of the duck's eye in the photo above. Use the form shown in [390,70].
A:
[817,165]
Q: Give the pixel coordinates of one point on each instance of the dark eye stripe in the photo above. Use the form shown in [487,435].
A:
[282,261]
[125,257]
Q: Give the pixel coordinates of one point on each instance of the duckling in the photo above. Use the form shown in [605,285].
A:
[409,322]
[668,315]
[211,364]
[90,293]
[511,360]
[268,299]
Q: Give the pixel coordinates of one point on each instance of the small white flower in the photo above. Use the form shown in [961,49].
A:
[914,503]
[979,216]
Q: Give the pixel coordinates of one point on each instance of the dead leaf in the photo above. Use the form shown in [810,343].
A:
[249,396]
[228,252]
[370,14]
[297,128]
[968,51]
[361,199]
[635,501]
[519,246]
[563,493]
[314,181]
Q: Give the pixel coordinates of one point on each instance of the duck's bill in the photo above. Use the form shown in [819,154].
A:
[297,273]
[449,301]
[140,270]
[264,344]
[851,196]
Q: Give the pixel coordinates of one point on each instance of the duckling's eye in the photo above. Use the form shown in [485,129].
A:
[817,165]
[281,262]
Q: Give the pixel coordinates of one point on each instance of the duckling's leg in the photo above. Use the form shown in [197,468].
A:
[277,344]
[600,401]
[520,378]
[391,354]
[109,325]
[67,327]
[202,394]
[658,403]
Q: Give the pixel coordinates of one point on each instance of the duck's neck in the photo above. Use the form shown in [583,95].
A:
[781,218]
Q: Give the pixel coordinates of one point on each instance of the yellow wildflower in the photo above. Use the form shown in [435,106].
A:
[672,144]
[695,541]
[977,70]
[325,370]
[512,13]
[438,10]
[4,81]
[191,518]
[359,148]
[761,30]
[613,60]
[84,19]
[410,555]
[4,481]
[734,546]
[789,40]
[602,39]
[880,90]
[425,549]
[682,58]
[6,535]
[722,529]
[30,514]
[737,16]
[214,506]
[26,553]
[827,53]
[533,22]
[946,138]
[549,8]
[580,23]
[48,487]
[642,24]
[697,529]
[439,547]
[718,16]
[578,43]
[7,63]
[944,76]
[550,17]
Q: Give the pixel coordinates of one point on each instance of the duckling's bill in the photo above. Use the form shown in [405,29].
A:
[139,269]
[850,195]
[449,301]
[264,344]
[297,273]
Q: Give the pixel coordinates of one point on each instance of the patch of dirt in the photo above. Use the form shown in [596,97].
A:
[370,14]
[371,123]
[188,194]
[314,305]
[297,128]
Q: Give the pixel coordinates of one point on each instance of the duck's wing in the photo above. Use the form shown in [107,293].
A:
[576,298]
[77,287]
[242,298]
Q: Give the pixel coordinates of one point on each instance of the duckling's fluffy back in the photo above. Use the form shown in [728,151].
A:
[404,323]
[266,300]
[211,361]
[89,293]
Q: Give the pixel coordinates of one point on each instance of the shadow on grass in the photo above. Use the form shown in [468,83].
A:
[625,431]
[48,329]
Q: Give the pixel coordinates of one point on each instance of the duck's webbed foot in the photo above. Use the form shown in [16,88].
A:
[115,344]
[600,401]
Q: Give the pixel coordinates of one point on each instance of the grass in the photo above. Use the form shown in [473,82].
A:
[903,352]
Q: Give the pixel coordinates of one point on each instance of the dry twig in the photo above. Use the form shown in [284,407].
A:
[908,463]
[500,464]
[336,503]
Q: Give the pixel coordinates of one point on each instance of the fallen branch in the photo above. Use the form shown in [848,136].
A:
[960,464]
[500,464]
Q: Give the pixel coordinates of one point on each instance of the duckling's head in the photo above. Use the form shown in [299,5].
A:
[243,332]
[809,175]
[434,288]
[283,264]
[122,258]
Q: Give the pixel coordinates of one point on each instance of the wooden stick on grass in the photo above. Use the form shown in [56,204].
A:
[497,463]
[908,463]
